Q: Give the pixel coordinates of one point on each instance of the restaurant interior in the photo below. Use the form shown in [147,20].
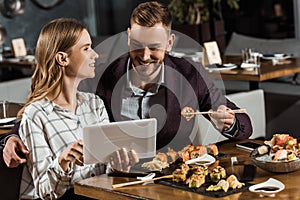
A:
[268,27]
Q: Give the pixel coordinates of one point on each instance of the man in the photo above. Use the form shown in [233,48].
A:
[150,83]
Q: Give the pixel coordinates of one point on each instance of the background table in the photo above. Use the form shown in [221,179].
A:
[266,71]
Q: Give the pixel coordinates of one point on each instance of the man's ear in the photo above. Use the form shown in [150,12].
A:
[62,58]
[170,42]
[128,36]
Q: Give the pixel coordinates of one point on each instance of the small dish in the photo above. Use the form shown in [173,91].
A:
[7,120]
[268,188]
[248,65]
[279,56]
[177,54]
[218,67]
[229,65]
[6,126]
[205,160]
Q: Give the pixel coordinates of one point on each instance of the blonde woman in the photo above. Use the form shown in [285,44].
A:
[53,117]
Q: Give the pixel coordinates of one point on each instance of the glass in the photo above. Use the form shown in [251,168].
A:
[249,56]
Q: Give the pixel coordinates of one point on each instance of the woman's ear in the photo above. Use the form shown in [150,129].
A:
[62,58]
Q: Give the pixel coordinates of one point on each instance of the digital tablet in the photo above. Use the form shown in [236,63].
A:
[99,141]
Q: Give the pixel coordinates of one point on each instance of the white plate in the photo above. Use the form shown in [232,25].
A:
[221,67]
[6,126]
[177,54]
[202,160]
[248,65]
[279,56]
[6,120]
[271,182]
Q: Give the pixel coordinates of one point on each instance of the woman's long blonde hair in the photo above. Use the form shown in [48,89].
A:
[58,35]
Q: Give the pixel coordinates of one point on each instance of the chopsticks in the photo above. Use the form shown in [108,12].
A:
[188,113]
[210,112]
[142,181]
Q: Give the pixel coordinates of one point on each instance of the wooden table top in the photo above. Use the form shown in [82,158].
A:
[266,71]
[17,63]
[4,130]
[100,187]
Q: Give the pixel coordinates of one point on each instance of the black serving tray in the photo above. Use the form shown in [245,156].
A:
[202,189]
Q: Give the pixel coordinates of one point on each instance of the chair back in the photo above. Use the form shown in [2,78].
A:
[252,101]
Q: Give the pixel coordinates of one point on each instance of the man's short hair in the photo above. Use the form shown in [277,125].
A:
[150,13]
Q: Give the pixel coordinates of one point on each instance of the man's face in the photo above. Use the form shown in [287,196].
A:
[148,46]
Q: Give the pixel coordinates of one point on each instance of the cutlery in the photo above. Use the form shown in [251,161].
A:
[188,113]
[201,160]
[148,177]
[141,181]
[210,112]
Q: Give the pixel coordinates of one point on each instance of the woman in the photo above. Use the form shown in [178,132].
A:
[55,112]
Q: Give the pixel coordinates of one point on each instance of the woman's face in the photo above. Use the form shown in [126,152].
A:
[81,63]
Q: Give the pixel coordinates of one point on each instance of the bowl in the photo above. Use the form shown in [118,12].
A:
[274,166]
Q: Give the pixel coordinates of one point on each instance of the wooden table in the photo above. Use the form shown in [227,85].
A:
[99,187]
[266,71]
[16,63]
[5,130]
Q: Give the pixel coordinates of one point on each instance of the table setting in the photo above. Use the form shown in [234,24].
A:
[252,168]
[236,161]
[213,188]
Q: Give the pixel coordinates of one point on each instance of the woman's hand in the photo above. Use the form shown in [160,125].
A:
[72,154]
[223,118]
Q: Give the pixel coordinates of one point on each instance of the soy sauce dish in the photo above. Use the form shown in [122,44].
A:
[268,188]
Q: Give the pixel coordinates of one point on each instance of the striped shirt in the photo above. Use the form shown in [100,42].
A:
[47,129]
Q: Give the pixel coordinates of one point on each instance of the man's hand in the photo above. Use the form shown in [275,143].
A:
[13,145]
[123,160]
[223,118]
[72,154]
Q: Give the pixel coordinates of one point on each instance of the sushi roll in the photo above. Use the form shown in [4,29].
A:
[185,168]
[185,155]
[179,175]
[162,157]
[217,174]
[212,149]
[195,181]
[200,170]
[173,154]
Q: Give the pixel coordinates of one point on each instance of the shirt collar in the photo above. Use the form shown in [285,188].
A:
[49,105]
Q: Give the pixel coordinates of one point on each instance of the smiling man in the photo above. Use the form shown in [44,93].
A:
[149,83]
[147,51]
